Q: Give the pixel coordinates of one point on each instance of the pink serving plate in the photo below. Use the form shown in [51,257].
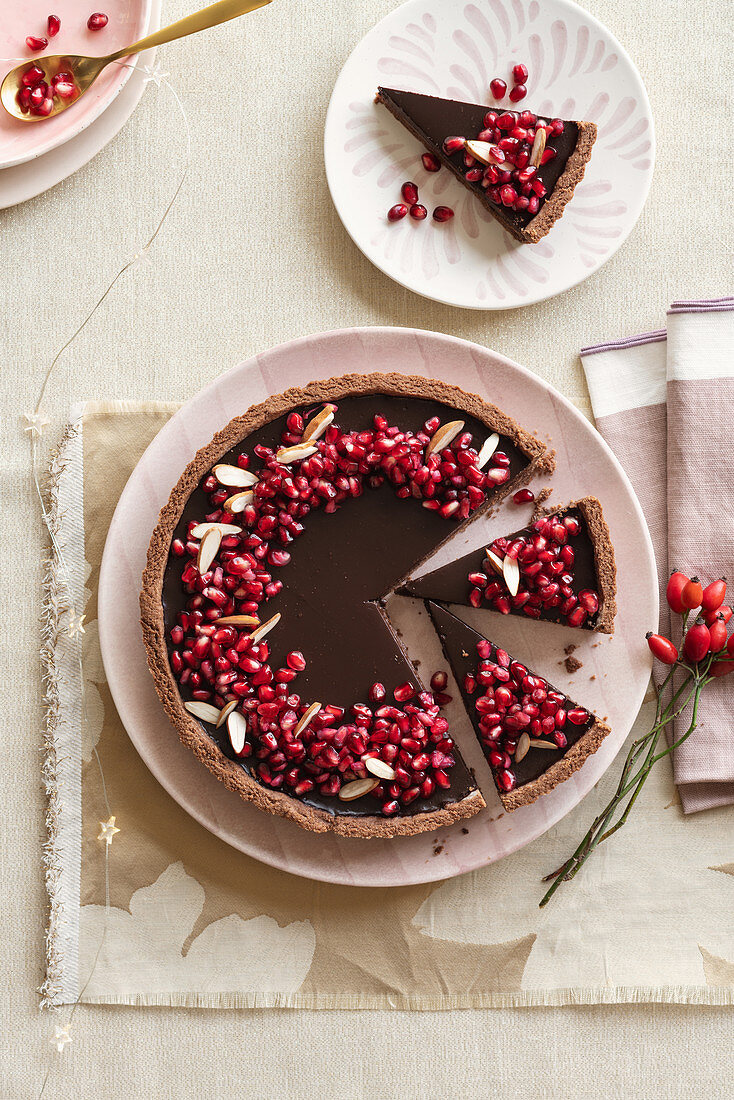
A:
[615,670]
[129,20]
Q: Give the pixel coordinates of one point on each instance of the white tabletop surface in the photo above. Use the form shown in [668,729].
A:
[253,254]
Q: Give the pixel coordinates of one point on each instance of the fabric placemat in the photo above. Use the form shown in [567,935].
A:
[193,922]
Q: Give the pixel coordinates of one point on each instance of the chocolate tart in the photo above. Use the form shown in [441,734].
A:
[325,499]
[432,120]
[526,761]
[582,593]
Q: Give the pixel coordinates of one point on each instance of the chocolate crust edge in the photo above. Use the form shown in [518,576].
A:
[560,771]
[191,733]
[606,566]
[554,206]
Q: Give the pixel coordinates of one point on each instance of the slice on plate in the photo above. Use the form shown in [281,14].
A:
[561,568]
[533,736]
[522,168]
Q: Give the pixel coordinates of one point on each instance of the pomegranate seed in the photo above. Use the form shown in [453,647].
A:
[296,661]
[439,681]
[33,42]
[418,212]
[64,90]
[523,496]
[409,191]
[31,76]
[53,26]
[520,74]
[395,213]
[443,214]
[44,109]
[508,195]
[404,692]
[506,780]
[518,92]
[452,145]
[578,716]
[498,87]
[97,21]
[431,163]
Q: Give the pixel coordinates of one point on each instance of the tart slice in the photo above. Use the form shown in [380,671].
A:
[561,568]
[263,598]
[533,736]
[522,168]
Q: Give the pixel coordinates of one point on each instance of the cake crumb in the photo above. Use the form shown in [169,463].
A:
[539,502]
[572,664]
[465,831]
[592,677]
[438,849]
[570,649]
[464,653]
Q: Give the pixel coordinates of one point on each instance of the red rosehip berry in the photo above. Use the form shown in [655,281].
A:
[725,612]
[395,213]
[692,594]
[697,642]
[721,668]
[730,646]
[676,584]
[713,595]
[717,632]
[662,648]
[520,74]
[497,87]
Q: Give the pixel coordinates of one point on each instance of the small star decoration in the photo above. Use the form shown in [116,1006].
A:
[76,624]
[35,423]
[108,830]
[154,74]
[61,1038]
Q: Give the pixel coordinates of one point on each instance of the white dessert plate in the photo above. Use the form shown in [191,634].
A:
[615,670]
[32,177]
[128,22]
[452,49]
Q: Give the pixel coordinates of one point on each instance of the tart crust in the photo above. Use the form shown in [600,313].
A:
[557,773]
[191,733]
[606,568]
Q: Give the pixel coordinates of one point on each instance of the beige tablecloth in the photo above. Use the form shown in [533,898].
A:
[253,254]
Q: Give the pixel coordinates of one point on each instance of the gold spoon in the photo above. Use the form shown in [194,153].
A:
[85,70]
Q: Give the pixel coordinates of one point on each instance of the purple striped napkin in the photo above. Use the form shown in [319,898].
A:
[662,401]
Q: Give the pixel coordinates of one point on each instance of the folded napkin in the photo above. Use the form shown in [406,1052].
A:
[662,401]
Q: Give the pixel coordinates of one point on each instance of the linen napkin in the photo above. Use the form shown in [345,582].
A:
[662,400]
[186,920]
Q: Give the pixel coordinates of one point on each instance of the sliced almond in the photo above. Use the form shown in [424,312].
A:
[378,767]
[536,743]
[201,529]
[238,620]
[233,476]
[523,744]
[356,789]
[538,147]
[208,550]
[239,501]
[237,730]
[496,563]
[307,718]
[318,424]
[265,628]
[511,573]
[226,711]
[286,455]
[205,711]
[443,436]
[481,151]
[490,445]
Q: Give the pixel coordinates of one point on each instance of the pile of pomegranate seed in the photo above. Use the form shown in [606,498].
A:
[36,96]
[517,712]
[410,204]
[498,86]
[220,662]
[545,556]
[517,145]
